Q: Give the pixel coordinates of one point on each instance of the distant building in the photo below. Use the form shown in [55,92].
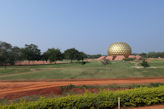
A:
[119,51]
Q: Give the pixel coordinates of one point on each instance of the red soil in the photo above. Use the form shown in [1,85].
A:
[15,89]
[147,107]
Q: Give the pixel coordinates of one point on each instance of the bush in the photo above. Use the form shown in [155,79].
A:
[129,59]
[67,87]
[103,99]
[145,63]
[83,63]
[106,62]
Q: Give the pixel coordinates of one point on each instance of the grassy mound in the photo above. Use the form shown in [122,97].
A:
[91,70]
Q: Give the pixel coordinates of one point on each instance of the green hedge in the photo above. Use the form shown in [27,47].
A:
[102,100]
[129,59]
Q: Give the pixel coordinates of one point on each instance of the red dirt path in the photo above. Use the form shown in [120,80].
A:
[15,89]
[147,107]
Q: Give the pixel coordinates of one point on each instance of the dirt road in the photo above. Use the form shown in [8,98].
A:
[15,89]
[147,107]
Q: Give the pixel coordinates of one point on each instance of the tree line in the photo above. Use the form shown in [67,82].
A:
[10,54]
[152,55]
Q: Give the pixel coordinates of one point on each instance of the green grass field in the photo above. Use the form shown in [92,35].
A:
[93,69]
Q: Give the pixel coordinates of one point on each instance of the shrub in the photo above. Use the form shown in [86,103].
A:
[106,62]
[145,63]
[103,99]
[83,63]
[129,59]
[67,87]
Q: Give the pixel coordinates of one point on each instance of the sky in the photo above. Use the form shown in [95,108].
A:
[87,25]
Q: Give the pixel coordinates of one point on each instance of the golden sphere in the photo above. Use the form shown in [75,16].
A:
[119,48]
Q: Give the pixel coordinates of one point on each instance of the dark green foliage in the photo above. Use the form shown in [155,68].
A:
[15,55]
[94,56]
[71,54]
[143,55]
[44,56]
[9,54]
[5,50]
[83,63]
[155,84]
[129,59]
[31,52]
[155,55]
[67,87]
[152,55]
[145,63]
[53,55]
[103,99]
[81,56]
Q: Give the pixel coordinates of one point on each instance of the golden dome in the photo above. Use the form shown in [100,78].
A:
[119,48]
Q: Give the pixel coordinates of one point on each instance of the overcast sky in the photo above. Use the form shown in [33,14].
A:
[87,25]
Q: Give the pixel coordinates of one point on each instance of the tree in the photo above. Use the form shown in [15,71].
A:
[53,55]
[31,52]
[15,55]
[45,56]
[5,50]
[8,54]
[143,55]
[94,56]
[81,56]
[71,54]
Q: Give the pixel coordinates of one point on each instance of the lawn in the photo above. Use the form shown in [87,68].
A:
[94,69]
